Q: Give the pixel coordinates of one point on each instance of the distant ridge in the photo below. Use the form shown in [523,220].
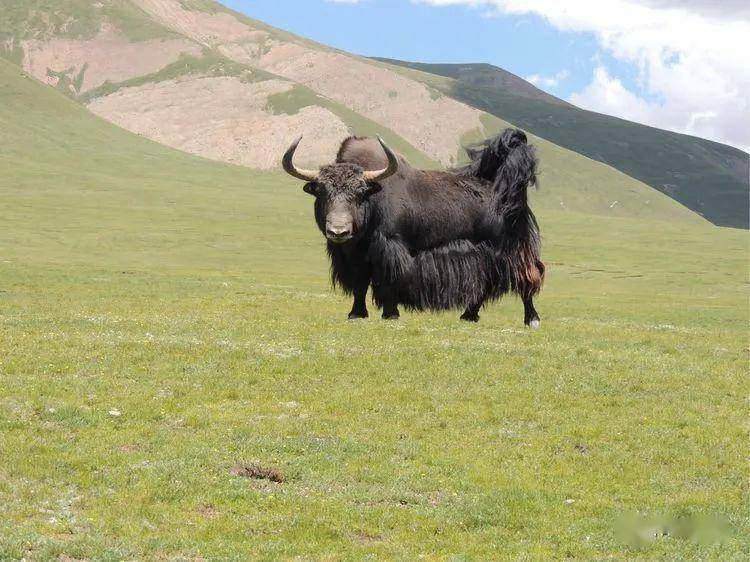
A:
[484,75]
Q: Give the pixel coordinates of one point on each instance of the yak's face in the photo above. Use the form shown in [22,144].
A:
[341,193]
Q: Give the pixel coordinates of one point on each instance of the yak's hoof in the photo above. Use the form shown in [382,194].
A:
[534,323]
[470,317]
[357,315]
[391,316]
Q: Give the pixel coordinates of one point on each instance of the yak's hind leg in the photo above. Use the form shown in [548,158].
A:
[530,315]
[487,284]
[531,287]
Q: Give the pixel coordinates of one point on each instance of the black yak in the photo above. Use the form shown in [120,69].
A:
[429,240]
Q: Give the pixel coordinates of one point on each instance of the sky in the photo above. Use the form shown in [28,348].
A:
[681,65]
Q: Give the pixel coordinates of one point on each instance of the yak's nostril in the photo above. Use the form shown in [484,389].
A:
[338,231]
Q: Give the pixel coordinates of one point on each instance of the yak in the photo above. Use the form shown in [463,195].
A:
[425,239]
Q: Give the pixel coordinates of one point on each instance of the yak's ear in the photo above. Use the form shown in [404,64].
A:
[311,188]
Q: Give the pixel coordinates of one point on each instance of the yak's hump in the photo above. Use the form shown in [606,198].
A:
[367,153]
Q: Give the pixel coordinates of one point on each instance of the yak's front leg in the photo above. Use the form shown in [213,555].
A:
[359,307]
[390,304]
[530,316]
[471,314]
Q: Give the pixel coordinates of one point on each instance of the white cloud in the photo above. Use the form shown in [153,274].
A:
[715,8]
[547,81]
[608,95]
[689,55]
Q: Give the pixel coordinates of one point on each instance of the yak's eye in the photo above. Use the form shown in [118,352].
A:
[312,188]
[371,189]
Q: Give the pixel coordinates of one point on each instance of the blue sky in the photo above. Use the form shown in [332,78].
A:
[674,64]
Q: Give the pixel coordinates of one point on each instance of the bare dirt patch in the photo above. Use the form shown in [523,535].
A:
[108,55]
[208,511]
[223,118]
[207,28]
[257,472]
[367,538]
[249,52]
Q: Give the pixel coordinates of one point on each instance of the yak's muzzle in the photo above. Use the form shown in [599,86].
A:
[339,227]
[338,234]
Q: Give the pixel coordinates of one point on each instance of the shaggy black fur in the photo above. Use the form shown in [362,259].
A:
[432,240]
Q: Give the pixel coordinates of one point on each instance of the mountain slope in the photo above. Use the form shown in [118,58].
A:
[487,76]
[233,89]
[710,178]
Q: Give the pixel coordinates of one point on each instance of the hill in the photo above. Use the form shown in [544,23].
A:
[196,76]
[710,178]
[169,342]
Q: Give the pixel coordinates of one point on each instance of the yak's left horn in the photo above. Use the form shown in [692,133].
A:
[392,168]
[289,167]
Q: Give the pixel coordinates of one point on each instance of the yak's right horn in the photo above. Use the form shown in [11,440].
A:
[292,170]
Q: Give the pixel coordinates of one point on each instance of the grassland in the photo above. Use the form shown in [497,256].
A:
[164,318]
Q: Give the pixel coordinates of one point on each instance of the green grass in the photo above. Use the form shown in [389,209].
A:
[69,81]
[191,298]
[45,19]
[707,177]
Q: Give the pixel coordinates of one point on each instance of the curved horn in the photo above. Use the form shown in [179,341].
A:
[377,175]
[289,168]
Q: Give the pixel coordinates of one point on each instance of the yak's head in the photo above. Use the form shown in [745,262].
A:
[341,191]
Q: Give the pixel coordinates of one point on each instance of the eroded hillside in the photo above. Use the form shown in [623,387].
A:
[201,78]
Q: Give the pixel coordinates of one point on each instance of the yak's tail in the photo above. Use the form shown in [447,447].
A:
[510,164]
